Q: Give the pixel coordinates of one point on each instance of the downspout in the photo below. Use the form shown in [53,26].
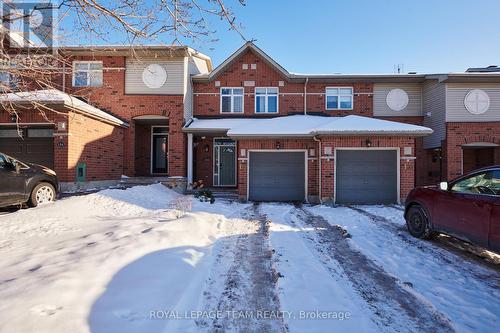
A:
[320,190]
[305,96]
[64,77]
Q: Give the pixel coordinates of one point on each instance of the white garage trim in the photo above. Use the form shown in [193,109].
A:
[249,151]
[397,149]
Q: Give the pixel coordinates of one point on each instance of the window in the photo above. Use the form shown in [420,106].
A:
[477,101]
[3,161]
[87,74]
[231,100]
[266,100]
[4,79]
[339,98]
[483,183]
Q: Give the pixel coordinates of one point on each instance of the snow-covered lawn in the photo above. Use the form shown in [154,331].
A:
[146,259]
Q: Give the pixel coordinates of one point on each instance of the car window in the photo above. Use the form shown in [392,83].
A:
[3,161]
[483,183]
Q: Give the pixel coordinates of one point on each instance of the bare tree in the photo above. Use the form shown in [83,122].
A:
[26,66]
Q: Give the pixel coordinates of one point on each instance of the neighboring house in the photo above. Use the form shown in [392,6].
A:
[125,116]
[464,111]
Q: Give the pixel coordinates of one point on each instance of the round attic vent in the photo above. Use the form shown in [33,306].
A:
[154,76]
[477,101]
[397,99]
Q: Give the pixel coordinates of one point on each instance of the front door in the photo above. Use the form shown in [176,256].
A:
[159,151]
[224,162]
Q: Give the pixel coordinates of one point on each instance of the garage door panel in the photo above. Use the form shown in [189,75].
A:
[39,150]
[366,177]
[276,176]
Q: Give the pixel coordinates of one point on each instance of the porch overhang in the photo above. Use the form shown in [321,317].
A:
[304,126]
[57,99]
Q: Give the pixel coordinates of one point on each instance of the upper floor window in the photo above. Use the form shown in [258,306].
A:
[4,80]
[87,73]
[231,100]
[339,98]
[266,100]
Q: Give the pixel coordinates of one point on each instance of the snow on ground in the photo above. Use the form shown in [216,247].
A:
[465,292]
[102,262]
[141,259]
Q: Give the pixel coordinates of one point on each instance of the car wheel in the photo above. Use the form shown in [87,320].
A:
[42,193]
[417,222]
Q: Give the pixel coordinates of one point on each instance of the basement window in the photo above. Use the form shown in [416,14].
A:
[339,98]
[87,74]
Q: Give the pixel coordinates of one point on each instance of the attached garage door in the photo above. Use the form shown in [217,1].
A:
[36,146]
[366,177]
[277,176]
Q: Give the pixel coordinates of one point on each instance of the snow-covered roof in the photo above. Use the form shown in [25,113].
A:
[53,96]
[305,126]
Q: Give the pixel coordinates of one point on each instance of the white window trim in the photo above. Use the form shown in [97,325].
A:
[88,71]
[232,100]
[339,108]
[266,111]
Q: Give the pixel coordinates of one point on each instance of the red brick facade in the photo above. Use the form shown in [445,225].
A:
[85,140]
[291,94]
[112,98]
[459,134]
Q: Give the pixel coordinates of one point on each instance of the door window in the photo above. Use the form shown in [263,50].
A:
[484,183]
[3,161]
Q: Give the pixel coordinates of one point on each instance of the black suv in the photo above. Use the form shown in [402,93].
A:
[22,182]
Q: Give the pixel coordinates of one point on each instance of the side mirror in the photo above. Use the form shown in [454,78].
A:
[443,186]
[14,166]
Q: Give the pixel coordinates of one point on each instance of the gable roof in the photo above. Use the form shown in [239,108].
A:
[245,47]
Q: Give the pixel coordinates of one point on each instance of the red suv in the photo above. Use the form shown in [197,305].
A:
[467,208]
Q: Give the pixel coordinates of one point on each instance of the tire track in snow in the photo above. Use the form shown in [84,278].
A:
[394,307]
[441,249]
[250,282]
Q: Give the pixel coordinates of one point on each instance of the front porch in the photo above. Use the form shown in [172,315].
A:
[151,146]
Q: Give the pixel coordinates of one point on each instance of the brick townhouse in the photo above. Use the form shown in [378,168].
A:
[122,114]
[251,126]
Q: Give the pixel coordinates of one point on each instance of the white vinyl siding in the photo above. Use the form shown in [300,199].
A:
[434,110]
[87,74]
[266,100]
[339,98]
[380,107]
[176,76]
[455,102]
[231,100]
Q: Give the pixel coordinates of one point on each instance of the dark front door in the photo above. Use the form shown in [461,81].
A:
[475,158]
[159,151]
[224,162]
